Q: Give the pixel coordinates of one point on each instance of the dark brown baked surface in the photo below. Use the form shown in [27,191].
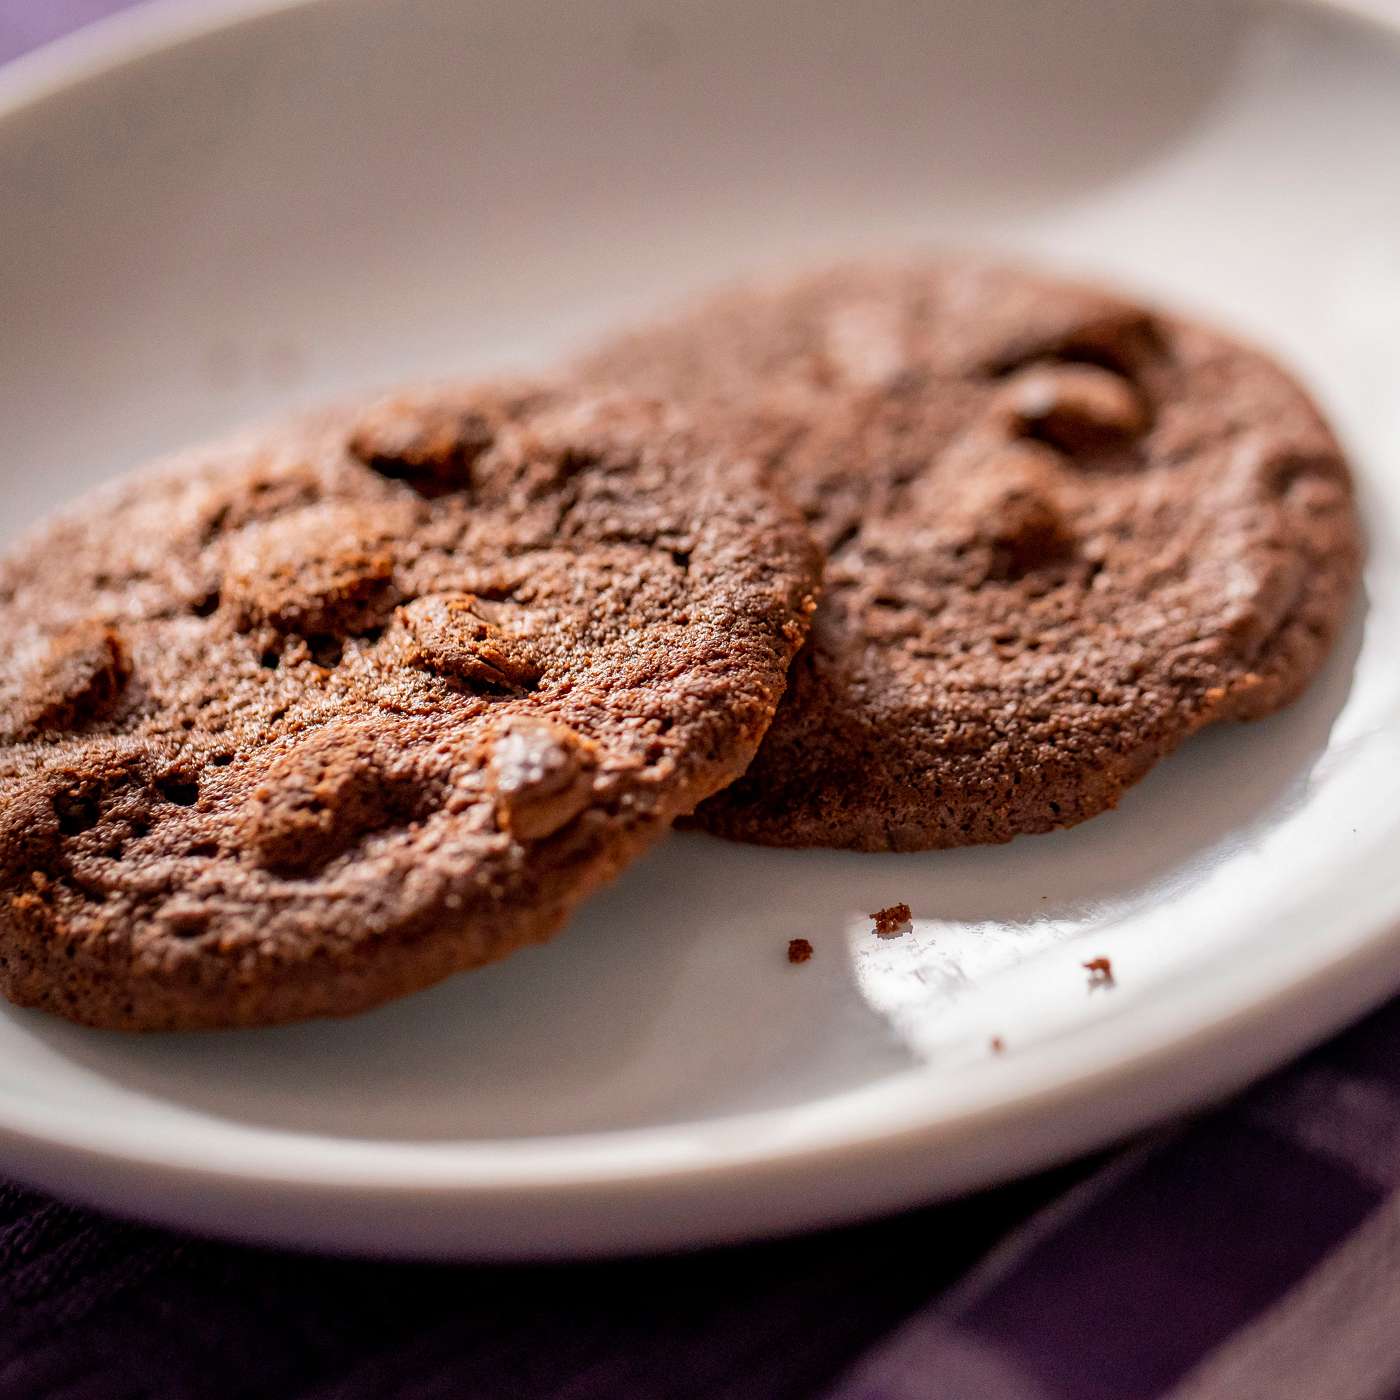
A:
[1065,532]
[301,722]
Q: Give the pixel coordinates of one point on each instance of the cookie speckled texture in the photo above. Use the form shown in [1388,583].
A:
[1065,532]
[300,723]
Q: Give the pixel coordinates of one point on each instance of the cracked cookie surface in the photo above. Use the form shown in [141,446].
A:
[306,720]
[1064,533]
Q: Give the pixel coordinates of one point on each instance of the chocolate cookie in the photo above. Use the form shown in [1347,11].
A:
[1065,532]
[303,722]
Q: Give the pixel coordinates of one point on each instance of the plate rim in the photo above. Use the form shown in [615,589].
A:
[92,1158]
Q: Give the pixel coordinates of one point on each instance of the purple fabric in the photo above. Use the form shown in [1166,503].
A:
[1251,1255]
[26,23]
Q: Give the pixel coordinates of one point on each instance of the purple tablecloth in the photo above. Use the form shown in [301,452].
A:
[1251,1255]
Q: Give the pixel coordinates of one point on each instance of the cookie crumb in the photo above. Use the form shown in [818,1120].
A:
[891,922]
[1100,972]
[799,950]
[998,1045]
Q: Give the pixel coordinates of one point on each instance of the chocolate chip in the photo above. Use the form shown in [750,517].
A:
[430,446]
[542,775]
[1078,408]
[320,798]
[447,635]
[1006,512]
[314,573]
[76,677]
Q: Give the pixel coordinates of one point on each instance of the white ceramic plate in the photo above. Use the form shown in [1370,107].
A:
[203,222]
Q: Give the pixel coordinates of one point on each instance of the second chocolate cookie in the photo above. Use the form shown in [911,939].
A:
[1064,533]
